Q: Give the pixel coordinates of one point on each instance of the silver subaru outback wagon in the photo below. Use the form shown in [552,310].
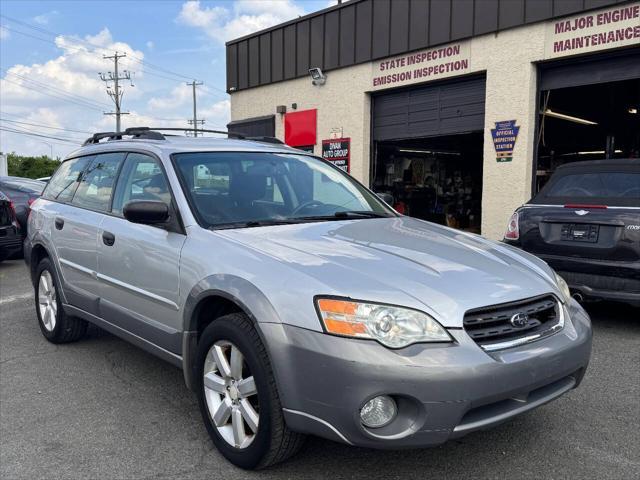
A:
[294,300]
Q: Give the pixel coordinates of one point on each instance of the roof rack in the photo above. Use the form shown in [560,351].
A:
[153,133]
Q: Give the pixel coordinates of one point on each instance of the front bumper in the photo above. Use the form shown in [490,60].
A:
[442,391]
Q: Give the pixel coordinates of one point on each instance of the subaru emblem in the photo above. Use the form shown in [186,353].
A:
[519,320]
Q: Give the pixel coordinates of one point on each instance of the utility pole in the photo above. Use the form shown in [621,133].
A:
[116,93]
[195,120]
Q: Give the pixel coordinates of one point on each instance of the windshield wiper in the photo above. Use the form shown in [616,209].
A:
[252,223]
[344,215]
[360,213]
[352,214]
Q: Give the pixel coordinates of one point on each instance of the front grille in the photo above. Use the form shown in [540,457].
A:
[493,325]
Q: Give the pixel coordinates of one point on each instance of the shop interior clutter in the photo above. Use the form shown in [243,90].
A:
[438,179]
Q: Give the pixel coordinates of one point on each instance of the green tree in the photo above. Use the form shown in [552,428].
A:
[31,167]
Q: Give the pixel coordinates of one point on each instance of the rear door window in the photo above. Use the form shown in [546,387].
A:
[94,190]
[65,180]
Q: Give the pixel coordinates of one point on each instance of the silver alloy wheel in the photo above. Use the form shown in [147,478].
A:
[47,301]
[231,394]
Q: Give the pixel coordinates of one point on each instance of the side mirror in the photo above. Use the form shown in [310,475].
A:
[386,198]
[147,212]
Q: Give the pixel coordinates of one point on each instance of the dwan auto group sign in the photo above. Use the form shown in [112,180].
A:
[439,62]
[611,28]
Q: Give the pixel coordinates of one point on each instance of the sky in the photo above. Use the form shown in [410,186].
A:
[51,54]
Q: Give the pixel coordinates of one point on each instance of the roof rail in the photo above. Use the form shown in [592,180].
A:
[153,133]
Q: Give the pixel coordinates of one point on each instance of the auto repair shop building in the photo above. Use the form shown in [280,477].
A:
[461,109]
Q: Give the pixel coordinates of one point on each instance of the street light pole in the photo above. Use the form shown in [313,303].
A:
[50,149]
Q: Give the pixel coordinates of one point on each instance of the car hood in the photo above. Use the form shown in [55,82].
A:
[402,260]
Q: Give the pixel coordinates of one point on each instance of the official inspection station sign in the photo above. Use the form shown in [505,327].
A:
[504,139]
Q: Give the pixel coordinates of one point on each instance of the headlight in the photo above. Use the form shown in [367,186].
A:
[394,327]
[564,288]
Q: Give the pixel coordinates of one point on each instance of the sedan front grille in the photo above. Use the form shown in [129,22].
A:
[510,324]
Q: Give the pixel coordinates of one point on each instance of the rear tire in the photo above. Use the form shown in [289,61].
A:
[272,441]
[55,324]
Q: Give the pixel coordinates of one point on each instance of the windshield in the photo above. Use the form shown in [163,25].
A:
[235,189]
[601,185]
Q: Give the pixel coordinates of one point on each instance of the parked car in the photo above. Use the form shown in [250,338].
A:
[22,192]
[294,300]
[585,223]
[10,237]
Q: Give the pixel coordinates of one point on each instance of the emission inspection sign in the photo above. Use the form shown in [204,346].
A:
[337,151]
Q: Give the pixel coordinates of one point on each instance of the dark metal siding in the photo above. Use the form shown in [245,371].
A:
[265,58]
[364,30]
[444,108]
[290,52]
[332,40]
[277,55]
[364,16]
[254,61]
[303,48]
[381,28]
[347,36]
[399,40]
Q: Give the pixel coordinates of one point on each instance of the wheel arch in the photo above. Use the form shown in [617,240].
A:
[214,297]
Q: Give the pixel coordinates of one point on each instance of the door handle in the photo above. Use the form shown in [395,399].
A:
[59,222]
[108,238]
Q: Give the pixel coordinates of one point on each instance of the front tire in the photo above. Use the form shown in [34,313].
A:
[238,397]
[55,324]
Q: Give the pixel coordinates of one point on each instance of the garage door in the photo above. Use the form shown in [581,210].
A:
[622,65]
[254,127]
[426,111]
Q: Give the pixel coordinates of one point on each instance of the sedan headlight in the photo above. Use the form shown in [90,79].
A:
[394,327]
[564,288]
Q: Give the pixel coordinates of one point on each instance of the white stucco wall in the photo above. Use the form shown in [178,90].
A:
[508,58]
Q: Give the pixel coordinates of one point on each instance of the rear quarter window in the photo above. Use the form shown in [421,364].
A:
[64,182]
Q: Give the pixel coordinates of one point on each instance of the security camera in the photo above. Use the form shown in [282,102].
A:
[317,77]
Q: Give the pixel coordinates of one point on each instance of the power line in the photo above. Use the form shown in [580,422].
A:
[44,126]
[20,132]
[60,91]
[53,95]
[58,137]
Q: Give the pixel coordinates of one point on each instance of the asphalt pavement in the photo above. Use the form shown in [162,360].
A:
[102,408]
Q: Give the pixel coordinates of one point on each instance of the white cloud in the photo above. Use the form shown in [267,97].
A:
[4,33]
[150,45]
[44,18]
[179,96]
[246,16]
[74,71]
[55,92]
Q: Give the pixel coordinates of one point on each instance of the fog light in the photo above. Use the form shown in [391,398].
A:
[378,412]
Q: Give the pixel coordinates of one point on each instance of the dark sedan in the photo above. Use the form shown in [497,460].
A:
[585,223]
[10,235]
[21,192]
